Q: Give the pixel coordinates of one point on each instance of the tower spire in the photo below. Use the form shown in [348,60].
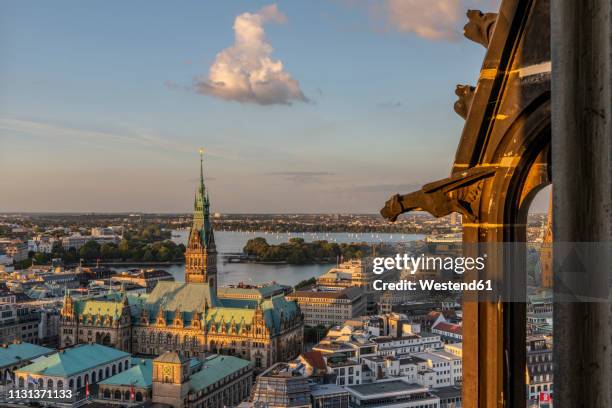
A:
[201,254]
[201,170]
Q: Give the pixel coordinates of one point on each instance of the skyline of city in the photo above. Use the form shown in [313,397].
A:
[112,120]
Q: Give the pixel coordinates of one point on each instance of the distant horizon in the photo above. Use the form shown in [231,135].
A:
[103,111]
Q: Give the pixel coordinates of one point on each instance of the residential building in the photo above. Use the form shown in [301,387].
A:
[354,272]
[448,367]
[145,278]
[450,332]
[330,308]
[454,348]
[41,243]
[539,366]
[14,249]
[390,346]
[76,241]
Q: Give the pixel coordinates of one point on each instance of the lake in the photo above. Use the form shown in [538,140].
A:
[234,241]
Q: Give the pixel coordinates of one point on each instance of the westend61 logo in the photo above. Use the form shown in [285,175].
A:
[459,265]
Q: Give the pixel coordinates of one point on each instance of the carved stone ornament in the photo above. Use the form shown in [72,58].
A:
[458,193]
[466,95]
[479,28]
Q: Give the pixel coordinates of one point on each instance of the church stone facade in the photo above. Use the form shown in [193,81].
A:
[189,318]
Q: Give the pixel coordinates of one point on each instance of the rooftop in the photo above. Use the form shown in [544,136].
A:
[17,352]
[140,375]
[73,360]
[214,369]
[398,387]
[321,390]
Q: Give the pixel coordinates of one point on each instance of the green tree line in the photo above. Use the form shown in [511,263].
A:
[297,251]
[147,244]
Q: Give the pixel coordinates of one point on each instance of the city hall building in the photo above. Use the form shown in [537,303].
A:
[189,318]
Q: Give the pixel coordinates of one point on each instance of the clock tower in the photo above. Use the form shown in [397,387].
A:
[201,253]
[171,379]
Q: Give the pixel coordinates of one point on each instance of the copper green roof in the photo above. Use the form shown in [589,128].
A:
[189,300]
[140,375]
[181,296]
[16,353]
[214,369]
[73,360]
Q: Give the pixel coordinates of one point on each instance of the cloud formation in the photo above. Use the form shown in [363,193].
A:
[246,72]
[432,20]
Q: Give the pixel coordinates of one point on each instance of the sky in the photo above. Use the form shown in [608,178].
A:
[301,107]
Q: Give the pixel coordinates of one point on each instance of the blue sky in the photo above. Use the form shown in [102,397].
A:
[104,104]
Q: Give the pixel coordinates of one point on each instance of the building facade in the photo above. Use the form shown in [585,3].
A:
[330,308]
[189,318]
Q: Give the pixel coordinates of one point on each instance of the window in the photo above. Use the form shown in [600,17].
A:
[50,384]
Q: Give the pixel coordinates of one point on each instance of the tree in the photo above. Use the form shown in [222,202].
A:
[124,249]
[90,251]
[109,251]
[148,256]
[40,258]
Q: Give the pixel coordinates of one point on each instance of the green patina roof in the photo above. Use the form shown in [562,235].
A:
[214,369]
[15,353]
[140,375]
[188,299]
[73,360]
[109,304]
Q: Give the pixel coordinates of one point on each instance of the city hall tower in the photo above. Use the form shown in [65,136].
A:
[201,253]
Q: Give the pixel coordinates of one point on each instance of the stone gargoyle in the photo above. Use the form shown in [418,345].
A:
[441,197]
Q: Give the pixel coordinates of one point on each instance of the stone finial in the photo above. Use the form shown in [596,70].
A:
[479,28]
[465,94]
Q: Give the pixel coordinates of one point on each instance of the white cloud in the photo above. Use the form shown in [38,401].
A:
[245,72]
[430,19]
[434,20]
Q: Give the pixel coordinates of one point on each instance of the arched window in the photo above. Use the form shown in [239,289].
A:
[125,365]
[114,370]
[41,383]
[86,381]
[106,394]
[60,385]
[93,377]
[106,373]
[49,384]
[100,374]
[21,382]
[138,396]
[71,383]
[79,383]
[119,367]
[126,395]
[118,395]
